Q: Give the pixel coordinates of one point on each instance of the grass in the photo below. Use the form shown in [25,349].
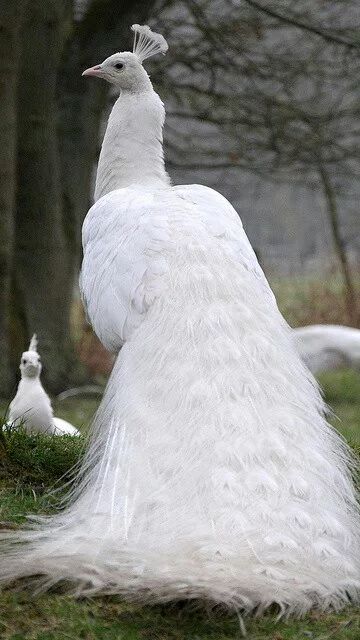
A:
[36,463]
[313,300]
[55,617]
[342,393]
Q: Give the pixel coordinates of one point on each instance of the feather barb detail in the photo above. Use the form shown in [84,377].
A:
[147,43]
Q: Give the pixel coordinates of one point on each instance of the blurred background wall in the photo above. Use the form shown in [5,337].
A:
[262,101]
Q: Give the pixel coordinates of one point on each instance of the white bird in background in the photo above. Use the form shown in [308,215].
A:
[211,472]
[324,347]
[31,406]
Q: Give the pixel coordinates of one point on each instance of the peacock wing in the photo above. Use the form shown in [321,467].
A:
[125,235]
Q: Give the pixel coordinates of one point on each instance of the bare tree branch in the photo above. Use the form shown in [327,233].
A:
[299,24]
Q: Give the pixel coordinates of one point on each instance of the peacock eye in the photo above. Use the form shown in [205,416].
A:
[24,361]
[118,65]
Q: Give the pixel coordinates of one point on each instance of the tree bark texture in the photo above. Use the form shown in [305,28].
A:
[11,14]
[43,279]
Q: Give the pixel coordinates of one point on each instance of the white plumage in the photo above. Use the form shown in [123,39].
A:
[211,472]
[31,406]
[324,347]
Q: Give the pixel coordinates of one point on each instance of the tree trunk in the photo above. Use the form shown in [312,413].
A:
[333,215]
[10,23]
[43,282]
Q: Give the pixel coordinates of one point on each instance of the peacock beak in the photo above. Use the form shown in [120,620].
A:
[93,71]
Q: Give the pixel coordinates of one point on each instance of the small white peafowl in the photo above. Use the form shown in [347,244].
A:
[31,406]
[211,471]
[324,347]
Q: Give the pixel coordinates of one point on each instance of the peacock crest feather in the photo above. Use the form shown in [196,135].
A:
[33,343]
[147,43]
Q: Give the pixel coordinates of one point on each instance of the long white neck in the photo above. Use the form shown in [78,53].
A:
[132,150]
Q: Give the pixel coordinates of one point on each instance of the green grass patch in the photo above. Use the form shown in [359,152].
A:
[342,394]
[341,387]
[17,499]
[56,617]
[32,466]
[39,458]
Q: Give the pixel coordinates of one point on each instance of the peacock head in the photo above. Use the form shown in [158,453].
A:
[30,364]
[125,70]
